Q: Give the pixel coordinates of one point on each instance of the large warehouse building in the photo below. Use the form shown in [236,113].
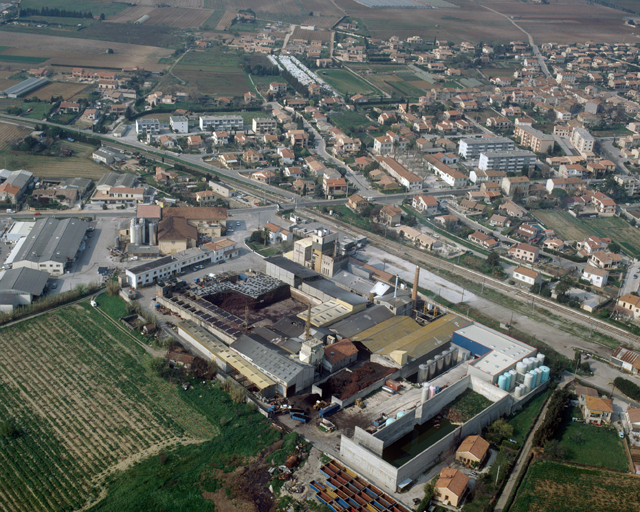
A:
[20,286]
[52,245]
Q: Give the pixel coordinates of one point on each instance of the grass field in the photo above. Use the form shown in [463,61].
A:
[77,390]
[564,488]
[521,421]
[348,120]
[96,8]
[347,83]
[590,445]
[214,72]
[79,165]
[568,227]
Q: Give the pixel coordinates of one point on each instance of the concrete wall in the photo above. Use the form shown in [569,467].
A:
[368,464]
[305,298]
[364,452]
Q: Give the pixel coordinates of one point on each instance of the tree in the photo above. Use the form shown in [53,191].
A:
[501,428]
[265,235]
[101,16]
[493,259]
[113,287]
[158,366]
[614,247]
[8,430]
[559,193]
[109,50]
[554,450]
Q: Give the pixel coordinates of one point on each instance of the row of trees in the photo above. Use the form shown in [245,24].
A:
[56,13]
[553,417]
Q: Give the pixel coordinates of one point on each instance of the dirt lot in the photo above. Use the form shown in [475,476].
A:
[311,35]
[85,52]
[56,89]
[172,17]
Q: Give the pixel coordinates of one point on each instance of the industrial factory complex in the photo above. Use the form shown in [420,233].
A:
[332,327]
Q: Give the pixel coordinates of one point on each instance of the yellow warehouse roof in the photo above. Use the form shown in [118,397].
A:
[378,337]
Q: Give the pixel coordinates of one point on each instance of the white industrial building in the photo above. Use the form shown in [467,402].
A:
[52,245]
[158,270]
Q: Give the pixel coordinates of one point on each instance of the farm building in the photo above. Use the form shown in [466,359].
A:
[52,245]
[21,286]
[29,85]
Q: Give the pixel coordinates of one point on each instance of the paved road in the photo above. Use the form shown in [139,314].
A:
[526,450]
[613,154]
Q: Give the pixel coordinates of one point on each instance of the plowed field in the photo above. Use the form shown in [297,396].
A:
[171,17]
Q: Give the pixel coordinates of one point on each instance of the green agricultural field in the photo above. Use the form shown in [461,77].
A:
[91,420]
[568,227]
[349,121]
[78,165]
[564,488]
[214,72]
[347,83]
[590,445]
[20,58]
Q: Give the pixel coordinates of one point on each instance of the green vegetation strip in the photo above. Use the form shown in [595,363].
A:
[20,58]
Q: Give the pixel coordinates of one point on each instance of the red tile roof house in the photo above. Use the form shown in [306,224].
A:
[278,234]
[525,252]
[484,240]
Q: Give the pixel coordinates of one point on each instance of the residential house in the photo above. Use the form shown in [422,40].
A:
[500,221]
[425,204]
[288,156]
[334,186]
[357,203]
[228,160]
[251,156]
[516,185]
[473,451]
[606,260]
[524,252]
[596,276]
[512,209]
[265,176]
[483,239]
[633,419]
[278,234]
[527,276]
[391,215]
[451,486]
[597,411]
[629,306]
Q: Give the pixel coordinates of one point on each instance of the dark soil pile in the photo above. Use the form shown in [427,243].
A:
[346,383]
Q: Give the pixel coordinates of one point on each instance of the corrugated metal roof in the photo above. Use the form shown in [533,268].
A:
[385,333]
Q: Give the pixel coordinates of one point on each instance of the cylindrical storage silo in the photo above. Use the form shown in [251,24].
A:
[545,373]
[425,392]
[439,364]
[540,357]
[132,232]
[507,376]
[538,376]
[433,368]
[512,382]
[153,234]
[521,368]
[432,391]
[528,381]
[143,231]
[447,359]
[534,381]
[454,355]
[518,391]
[423,373]
[502,382]
[138,232]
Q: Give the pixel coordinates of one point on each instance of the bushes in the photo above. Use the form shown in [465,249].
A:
[553,418]
[113,287]
[628,388]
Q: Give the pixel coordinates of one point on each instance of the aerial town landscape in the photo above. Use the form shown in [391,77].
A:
[346,256]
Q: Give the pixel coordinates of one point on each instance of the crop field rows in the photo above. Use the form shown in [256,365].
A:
[83,404]
[10,133]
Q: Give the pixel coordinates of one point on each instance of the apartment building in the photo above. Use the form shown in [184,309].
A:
[472,148]
[582,140]
[534,139]
[264,125]
[220,123]
[506,161]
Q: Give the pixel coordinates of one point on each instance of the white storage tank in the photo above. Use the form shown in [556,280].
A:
[425,392]
[143,231]
[521,369]
[528,381]
[454,355]
[502,382]
[540,358]
[138,232]
[538,376]
[433,367]
[534,377]
[512,383]
[518,391]
[447,359]
[132,232]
